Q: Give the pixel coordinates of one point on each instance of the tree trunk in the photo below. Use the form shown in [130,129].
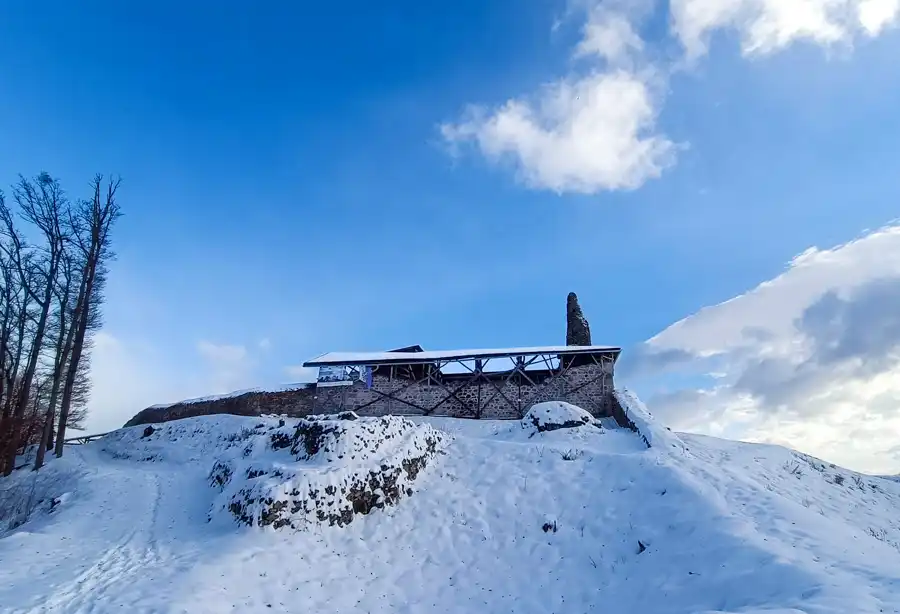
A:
[47,434]
[4,345]
[63,349]
[99,216]
[80,325]
[27,377]
[14,369]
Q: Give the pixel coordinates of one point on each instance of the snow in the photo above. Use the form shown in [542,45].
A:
[553,415]
[651,431]
[26,493]
[343,358]
[507,519]
[323,469]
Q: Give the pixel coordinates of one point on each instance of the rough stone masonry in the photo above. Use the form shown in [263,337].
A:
[578,331]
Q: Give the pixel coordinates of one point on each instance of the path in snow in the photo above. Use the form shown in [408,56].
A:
[132,526]
[726,527]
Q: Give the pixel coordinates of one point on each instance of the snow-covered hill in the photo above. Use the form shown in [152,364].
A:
[506,517]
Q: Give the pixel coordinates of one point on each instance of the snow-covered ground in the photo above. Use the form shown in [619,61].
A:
[508,519]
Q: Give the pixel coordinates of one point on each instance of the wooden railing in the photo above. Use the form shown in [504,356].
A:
[78,441]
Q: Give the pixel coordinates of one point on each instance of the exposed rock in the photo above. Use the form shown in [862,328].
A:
[295,403]
[338,466]
[555,415]
[578,331]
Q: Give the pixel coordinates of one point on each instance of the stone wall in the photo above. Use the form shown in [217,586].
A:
[297,402]
[588,386]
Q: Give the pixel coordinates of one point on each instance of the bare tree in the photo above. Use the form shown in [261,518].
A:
[65,339]
[51,293]
[92,223]
[9,298]
[17,304]
[42,204]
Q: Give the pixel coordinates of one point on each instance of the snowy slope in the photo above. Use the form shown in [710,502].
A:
[508,520]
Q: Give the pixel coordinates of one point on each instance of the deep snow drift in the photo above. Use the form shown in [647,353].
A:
[506,519]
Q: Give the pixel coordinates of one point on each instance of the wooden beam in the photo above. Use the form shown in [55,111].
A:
[499,391]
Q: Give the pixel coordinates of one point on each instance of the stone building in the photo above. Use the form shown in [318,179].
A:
[501,383]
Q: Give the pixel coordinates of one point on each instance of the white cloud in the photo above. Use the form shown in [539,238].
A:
[810,358]
[876,15]
[580,135]
[589,131]
[769,25]
[609,36]
[597,131]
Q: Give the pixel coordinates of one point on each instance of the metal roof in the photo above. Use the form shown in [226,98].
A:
[337,359]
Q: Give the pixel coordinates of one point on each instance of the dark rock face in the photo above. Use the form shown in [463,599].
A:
[386,455]
[578,332]
[568,424]
[294,403]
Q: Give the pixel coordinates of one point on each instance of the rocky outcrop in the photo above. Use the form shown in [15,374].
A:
[578,331]
[293,402]
[326,470]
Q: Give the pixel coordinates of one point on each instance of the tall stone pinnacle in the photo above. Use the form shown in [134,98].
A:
[578,331]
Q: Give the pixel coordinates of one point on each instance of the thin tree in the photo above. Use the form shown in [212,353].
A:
[92,223]
[8,319]
[16,307]
[43,204]
[65,339]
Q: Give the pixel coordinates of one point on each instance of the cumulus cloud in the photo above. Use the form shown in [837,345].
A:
[769,25]
[592,130]
[596,130]
[810,358]
[579,135]
[609,36]
[876,15]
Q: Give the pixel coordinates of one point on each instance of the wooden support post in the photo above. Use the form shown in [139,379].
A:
[520,368]
[478,368]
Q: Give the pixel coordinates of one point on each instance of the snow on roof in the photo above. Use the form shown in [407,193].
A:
[404,358]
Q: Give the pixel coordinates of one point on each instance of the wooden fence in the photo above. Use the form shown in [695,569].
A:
[78,441]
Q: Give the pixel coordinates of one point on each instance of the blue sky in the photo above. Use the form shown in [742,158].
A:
[288,188]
